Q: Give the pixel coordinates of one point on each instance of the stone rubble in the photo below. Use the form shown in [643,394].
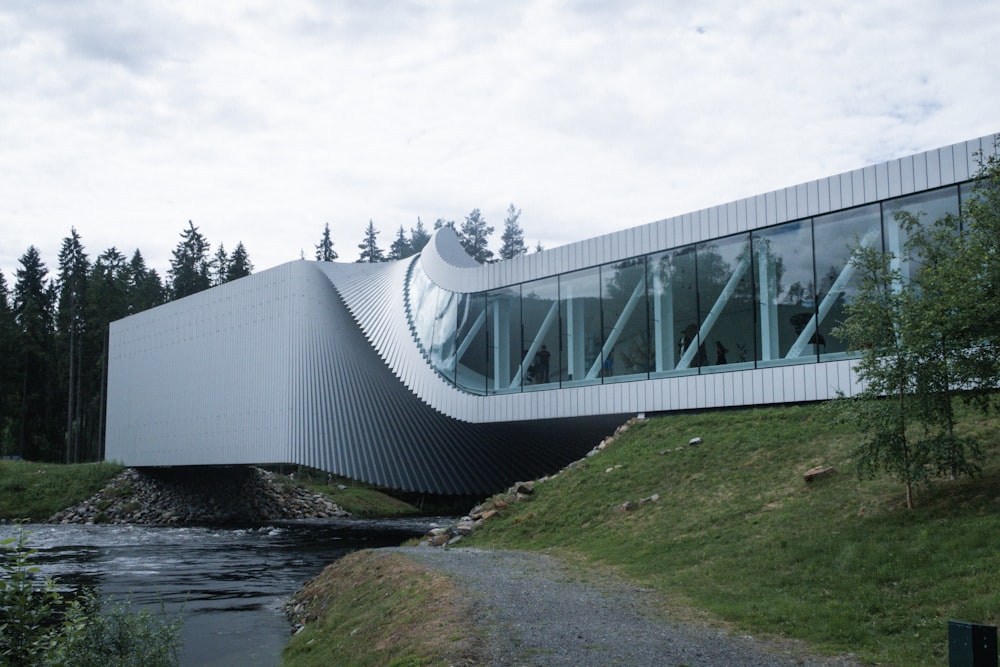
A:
[199,496]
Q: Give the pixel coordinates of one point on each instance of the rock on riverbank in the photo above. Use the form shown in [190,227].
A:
[193,496]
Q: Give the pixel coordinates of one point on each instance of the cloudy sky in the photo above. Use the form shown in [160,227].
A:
[261,121]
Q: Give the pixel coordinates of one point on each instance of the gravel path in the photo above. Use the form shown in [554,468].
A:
[540,613]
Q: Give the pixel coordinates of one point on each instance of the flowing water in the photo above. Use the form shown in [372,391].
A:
[229,584]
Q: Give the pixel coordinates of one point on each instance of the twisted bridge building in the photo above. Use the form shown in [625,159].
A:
[440,375]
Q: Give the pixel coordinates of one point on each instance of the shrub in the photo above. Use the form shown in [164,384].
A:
[40,625]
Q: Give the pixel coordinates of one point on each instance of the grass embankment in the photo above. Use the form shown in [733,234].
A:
[36,491]
[347,610]
[361,500]
[737,532]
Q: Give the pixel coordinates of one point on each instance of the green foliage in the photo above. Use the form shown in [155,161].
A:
[474,236]
[512,239]
[119,635]
[190,265]
[30,627]
[922,336]
[737,532]
[41,626]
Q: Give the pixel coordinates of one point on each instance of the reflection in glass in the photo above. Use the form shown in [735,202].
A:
[443,346]
[786,291]
[470,337]
[724,335]
[928,207]
[837,235]
[503,324]
[625,351]
[674,307]
[422,296]
[540,363]
[580,313]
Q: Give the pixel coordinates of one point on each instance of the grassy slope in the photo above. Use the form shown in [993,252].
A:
[347,608]
[36,491]
[839,563]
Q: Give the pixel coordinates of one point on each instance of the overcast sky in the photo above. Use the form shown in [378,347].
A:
[261,121]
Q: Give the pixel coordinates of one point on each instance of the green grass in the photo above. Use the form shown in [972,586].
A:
[362,500]
[375,608]
[737,532]
[36,491]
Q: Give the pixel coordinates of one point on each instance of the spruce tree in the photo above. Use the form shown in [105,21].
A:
[324,249]
[220,266]
[239,263]
[107,301]
[475,236]
[72,282]
[33,302]
[513,236]
[400,248]
[419,236]
[370,252]
[145,289]
[190,267]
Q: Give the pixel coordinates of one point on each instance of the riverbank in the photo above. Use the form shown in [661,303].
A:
[714,513]
[109,493]
[199,496]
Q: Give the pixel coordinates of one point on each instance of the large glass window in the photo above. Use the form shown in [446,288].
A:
[504,353]
[442,352]
[837,236]
[540,364]
[770,297]
[625,352]
[423,307]
[673,309]
[786,292]
[580,313]
[725,305]
[927,207]
[470,343]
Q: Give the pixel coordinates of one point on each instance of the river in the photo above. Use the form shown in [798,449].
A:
[229,584]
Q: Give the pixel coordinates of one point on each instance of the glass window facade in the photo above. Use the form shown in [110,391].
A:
[769,297]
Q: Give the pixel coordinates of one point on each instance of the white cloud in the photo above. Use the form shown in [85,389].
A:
[261,122]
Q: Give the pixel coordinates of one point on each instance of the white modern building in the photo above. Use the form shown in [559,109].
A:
[438,374]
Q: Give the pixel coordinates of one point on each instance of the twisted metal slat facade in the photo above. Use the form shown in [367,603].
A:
[323,364]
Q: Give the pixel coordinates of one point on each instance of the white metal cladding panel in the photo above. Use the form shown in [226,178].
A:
[178,379]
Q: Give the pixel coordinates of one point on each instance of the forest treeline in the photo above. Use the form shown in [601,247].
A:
[54,325]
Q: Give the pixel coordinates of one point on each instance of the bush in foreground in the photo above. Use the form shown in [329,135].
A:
[42,626]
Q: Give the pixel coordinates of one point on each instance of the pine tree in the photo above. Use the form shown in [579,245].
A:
[190,267]
[475,237]
[418,236]
[220,266]
[324,249]
[513,236]
[107,302]
[72,283]
[33,300]
[145,289]
[400,248]
[370,252]
[239,263]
